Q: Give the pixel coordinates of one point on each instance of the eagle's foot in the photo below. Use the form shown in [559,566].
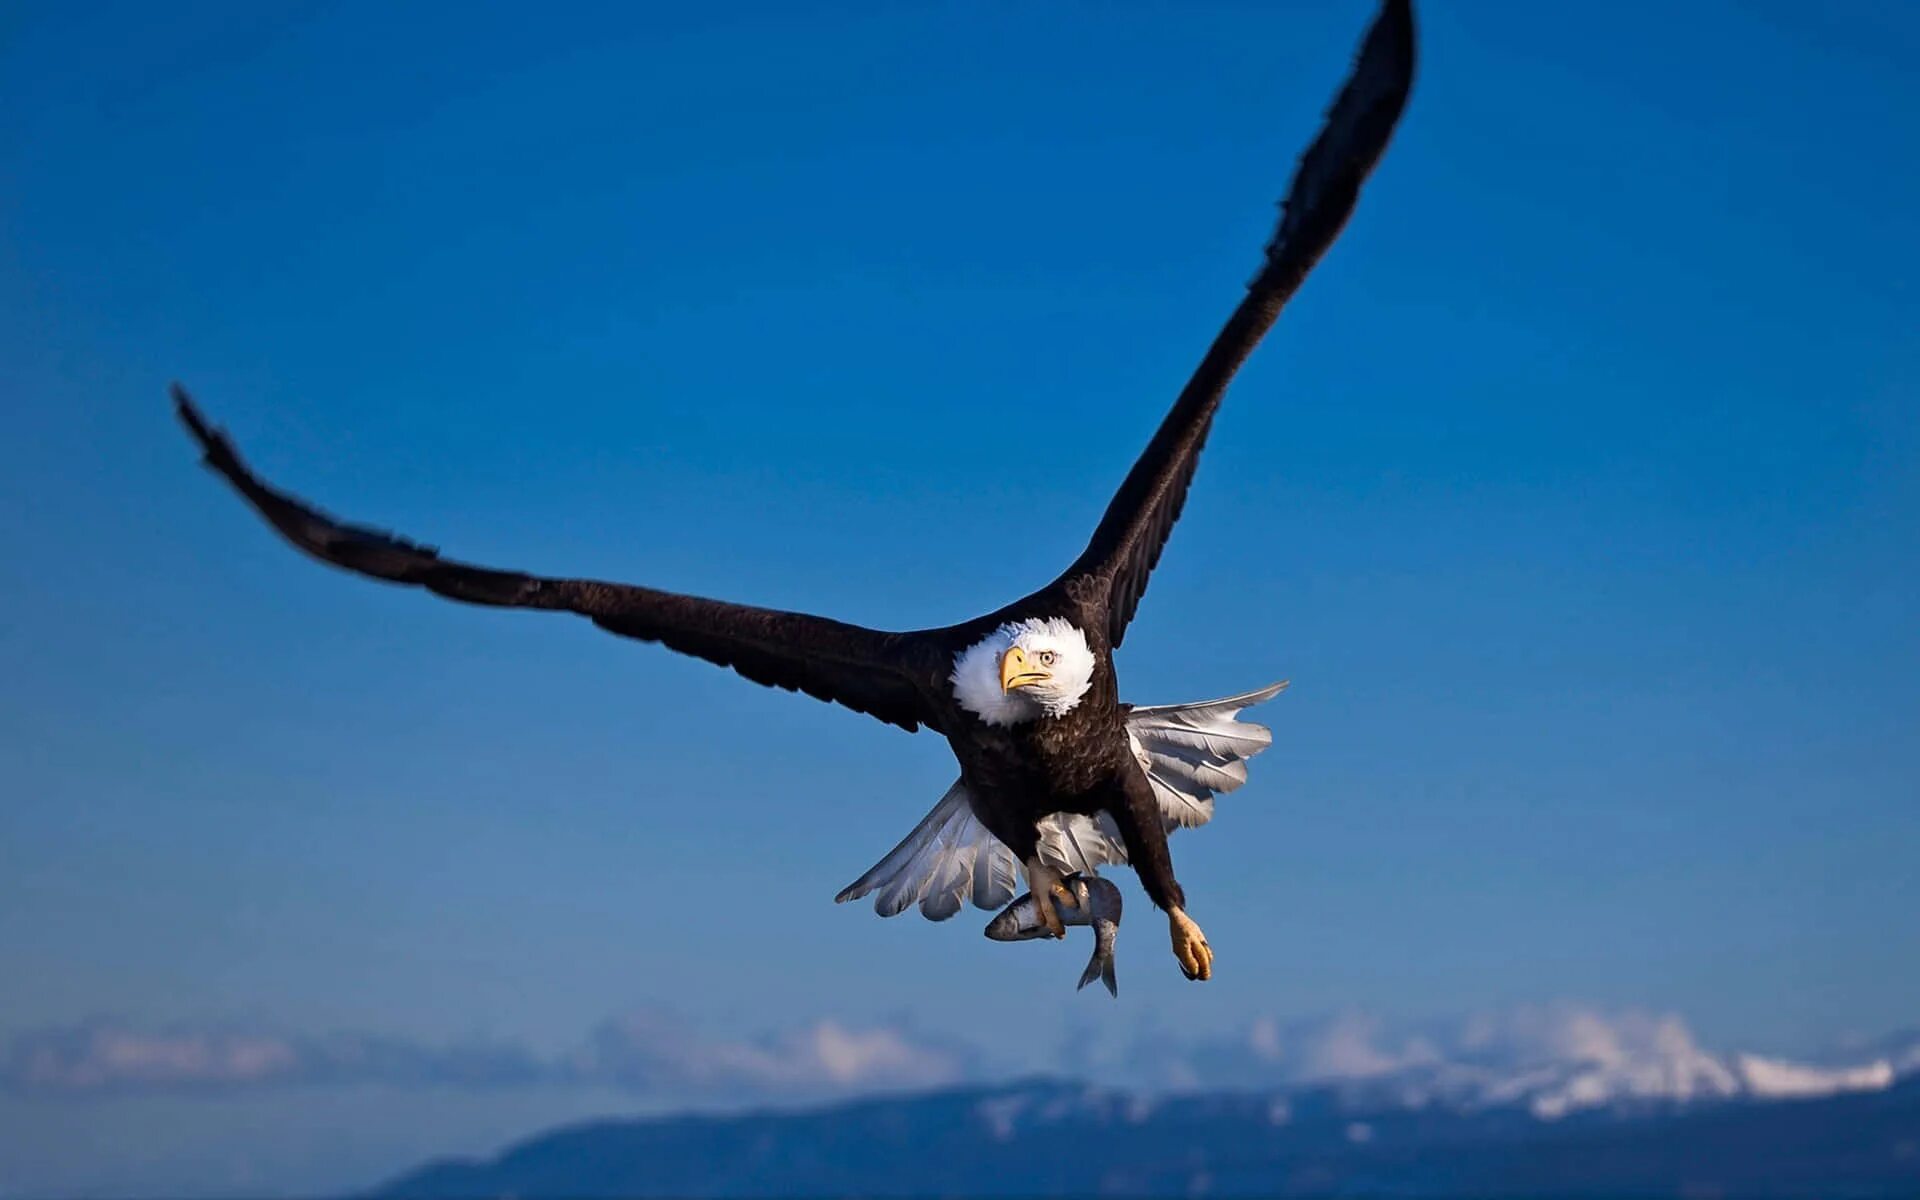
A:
[1190,945]
[1044,883]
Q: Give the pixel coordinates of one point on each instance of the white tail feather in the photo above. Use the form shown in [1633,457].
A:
[1070,842]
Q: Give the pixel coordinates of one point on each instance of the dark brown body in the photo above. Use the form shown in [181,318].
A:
[1079,762]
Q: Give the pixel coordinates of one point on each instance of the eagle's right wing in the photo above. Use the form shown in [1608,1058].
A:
[886,675]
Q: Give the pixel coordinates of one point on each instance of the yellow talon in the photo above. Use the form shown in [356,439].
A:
[1190,946]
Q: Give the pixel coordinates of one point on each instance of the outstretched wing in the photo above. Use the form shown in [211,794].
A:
[881,674]
[1131,534]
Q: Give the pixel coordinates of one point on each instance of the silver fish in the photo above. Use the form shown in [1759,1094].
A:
[1096,903]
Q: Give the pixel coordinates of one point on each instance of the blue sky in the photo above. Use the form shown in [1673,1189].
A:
[1577,495]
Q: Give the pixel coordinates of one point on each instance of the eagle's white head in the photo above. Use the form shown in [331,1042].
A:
[1024,670]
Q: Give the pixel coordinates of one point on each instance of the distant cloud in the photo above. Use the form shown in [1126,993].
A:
[107,1056]
[642,1052]
[1552,1060]
[647,1051]
[1266,1052]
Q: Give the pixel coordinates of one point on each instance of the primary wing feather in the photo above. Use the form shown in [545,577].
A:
[1127,543]
[881,674]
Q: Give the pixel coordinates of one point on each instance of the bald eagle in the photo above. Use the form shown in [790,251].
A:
[1056,774]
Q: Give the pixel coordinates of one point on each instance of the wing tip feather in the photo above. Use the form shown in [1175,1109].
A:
[1359,124]
[216,450]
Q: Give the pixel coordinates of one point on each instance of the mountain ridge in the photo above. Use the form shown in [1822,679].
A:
[1053,1136]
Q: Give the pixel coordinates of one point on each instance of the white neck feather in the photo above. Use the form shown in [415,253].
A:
[976,672]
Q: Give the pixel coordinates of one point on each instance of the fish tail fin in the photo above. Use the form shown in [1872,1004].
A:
[1102,969]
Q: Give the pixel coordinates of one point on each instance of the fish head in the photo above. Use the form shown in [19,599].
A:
[1015,923]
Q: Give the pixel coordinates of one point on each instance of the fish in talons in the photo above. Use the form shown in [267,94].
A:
[1088,900]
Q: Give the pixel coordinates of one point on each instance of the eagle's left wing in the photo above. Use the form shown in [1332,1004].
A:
[886,675]
[1126,545]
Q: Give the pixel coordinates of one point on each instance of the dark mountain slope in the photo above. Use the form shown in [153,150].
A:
[1051,1138]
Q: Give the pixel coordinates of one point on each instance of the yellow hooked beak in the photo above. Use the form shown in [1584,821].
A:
[1017,671]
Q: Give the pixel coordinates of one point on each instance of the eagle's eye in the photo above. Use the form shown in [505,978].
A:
[1046,658]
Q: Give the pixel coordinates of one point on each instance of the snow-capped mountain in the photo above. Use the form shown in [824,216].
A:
[1550,1061]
